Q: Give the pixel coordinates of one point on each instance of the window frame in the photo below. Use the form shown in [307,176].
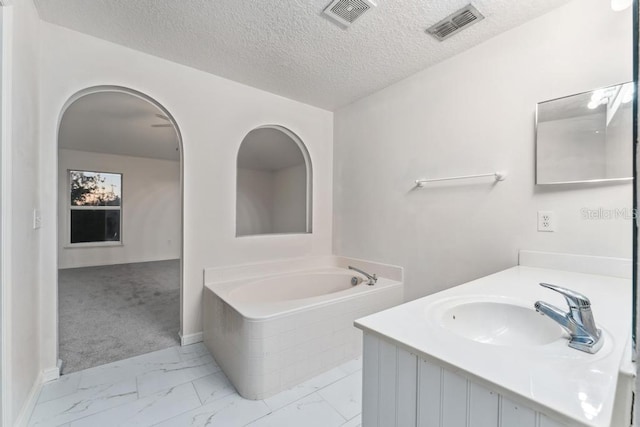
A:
[70,208]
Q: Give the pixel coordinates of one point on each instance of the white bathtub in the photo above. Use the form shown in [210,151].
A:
[287,321]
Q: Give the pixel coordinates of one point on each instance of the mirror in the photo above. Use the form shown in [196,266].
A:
[585,137]
[273,183]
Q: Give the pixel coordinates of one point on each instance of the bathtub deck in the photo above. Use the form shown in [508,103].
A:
[183,386]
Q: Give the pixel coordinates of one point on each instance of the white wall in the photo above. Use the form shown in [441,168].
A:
[20,242]
[214,115]
[272,201]
[151,209]
[474,113]
[290,199]
[254,202]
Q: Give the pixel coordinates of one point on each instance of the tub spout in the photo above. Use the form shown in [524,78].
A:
[372,279]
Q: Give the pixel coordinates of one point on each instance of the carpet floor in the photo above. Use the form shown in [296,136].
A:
[114,312]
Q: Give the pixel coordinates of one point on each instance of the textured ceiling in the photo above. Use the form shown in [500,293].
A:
[286,46]
[117,123]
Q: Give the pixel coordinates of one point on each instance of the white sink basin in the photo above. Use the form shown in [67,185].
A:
[498,323]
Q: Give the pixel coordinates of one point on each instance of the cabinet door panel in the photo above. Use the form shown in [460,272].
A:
[407,389]
[454,400]
[370,381]
[483,407]
[429,394]
[388,357]
[516,415]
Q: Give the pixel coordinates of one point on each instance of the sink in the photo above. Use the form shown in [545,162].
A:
[498,323]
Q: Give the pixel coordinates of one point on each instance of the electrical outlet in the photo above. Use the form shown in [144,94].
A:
[546,221]
[37,219]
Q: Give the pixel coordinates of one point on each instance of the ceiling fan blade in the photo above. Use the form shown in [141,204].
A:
[168,125]
[162,116]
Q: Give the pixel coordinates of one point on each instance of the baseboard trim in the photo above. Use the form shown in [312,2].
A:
[52,373]
[191,338]
[116,262]
[30,403]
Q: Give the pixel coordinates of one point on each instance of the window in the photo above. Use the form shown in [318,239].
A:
[96,206]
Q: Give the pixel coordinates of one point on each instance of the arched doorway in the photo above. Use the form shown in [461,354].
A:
[119,227]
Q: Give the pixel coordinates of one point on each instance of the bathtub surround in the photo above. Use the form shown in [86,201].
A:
[271,326]
[183,386]
[474,113]
[115,312]
[151,209]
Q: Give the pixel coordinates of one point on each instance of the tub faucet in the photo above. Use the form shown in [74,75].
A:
[372,279]
[578,321]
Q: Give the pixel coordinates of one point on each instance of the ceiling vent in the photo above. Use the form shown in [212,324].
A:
[456,22]
[346,12]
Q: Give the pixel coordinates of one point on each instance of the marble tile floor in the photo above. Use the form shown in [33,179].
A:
[183,386]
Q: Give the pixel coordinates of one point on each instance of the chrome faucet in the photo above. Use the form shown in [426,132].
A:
[372,278]
[578,321]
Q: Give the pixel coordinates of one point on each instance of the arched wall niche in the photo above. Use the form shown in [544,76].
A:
[273,183]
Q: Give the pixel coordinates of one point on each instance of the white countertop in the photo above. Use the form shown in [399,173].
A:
[573,384]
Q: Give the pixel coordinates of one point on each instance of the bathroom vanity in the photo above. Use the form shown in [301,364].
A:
[480,355]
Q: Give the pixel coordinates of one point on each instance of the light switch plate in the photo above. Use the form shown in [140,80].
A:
[37,219]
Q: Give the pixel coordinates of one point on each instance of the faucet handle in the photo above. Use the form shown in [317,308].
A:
[575,299]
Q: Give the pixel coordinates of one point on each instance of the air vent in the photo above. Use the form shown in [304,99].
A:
[455,23]
[346,12]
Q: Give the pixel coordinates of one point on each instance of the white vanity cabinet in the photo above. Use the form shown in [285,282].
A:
[478,355]
[402,389]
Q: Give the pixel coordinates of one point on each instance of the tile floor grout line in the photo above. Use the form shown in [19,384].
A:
[185,411]
[297,400]
[334,408]
[181,383]
[314,391]
[329,403]
[261,417]
[354,417]
[138,386]
[265,415]
[198,393]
